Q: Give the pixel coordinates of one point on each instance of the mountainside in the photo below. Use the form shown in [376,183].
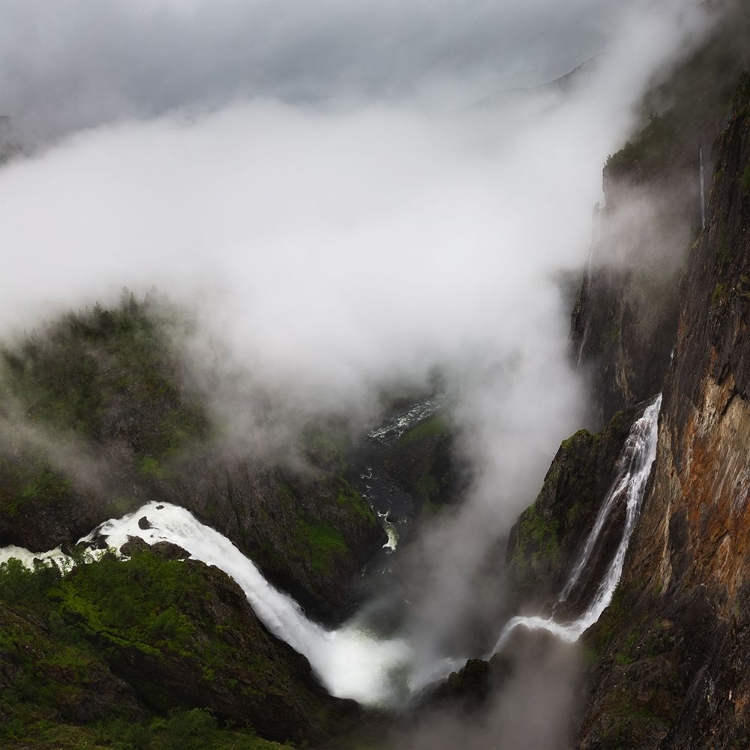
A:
[98,415]
[617,615]
[685,583]
[666,663]
[624,322]
[127,425]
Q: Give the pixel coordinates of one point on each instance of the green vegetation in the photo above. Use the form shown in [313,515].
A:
[106,376]
[550,531]
[324,544]
[718,294]
[650,151]
[93,372]
[434,426]
[350,499]
[325,448]
[131,654]
[538,538]
[30,478]
[423,464]
[194,729]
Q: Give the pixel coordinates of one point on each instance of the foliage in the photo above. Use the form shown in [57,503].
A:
[192,729]
[650,151]
[324,543]
[434,426]
[63,638]
[29,477]
[107,372]
[105,375]
[325,448]
[350,499]
[538,537]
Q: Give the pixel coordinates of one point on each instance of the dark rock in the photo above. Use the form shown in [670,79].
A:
[674,644]
[547,538]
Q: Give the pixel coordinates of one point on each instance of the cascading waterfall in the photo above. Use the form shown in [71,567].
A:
[635,466]
[352,662]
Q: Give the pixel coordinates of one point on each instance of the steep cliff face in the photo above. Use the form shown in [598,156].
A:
[678,632]
[624,322]
[310,535]
[548,536]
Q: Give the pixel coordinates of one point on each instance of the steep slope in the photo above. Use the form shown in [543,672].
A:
[129,640]
[98,413]
[674,645]
[625,319]
[548,535]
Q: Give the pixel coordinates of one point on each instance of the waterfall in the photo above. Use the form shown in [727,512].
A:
[634,467]
[352,662]
[703,187]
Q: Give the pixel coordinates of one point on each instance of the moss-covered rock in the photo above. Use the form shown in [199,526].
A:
[144,637]
[548,535]
[423,463]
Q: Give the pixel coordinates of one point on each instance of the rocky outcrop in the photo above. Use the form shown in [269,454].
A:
[129,640]
[678,632]
[423,463]
[309,535]
[624,322]
[548,536]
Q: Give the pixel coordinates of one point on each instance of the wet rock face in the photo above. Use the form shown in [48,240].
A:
[549,535]
[696,524]
[623,328]
[688,567]
[624,323]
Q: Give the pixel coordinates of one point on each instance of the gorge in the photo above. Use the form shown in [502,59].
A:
[299,496]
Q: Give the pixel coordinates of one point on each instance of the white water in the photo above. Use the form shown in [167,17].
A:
[417,413]
[350,662]
[391,532]
[55,556]
[639,454]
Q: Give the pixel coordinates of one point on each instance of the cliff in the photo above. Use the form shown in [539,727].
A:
[673,646]
[624,322]
[548,536]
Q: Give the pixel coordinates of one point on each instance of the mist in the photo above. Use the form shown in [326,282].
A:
[315,186]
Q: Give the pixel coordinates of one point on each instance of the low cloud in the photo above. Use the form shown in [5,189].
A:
[334,236]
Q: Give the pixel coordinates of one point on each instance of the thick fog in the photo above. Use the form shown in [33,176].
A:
[315,184]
